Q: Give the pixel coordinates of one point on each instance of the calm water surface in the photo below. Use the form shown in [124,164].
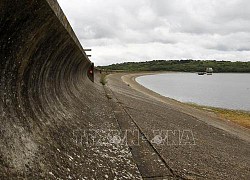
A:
[224,90]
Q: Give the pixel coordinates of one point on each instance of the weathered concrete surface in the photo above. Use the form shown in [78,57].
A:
[47,103]
[57,124]
[216,154]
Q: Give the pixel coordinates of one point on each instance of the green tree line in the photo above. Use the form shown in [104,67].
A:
[181,65]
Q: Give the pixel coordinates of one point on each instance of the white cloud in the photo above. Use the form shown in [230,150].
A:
[119,30]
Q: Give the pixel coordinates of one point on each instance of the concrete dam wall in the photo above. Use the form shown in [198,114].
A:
[45,94]
[55,123]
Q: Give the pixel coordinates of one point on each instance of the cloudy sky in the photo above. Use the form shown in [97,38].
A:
[139,30]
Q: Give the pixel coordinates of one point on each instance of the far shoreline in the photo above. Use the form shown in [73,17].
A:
[239,117]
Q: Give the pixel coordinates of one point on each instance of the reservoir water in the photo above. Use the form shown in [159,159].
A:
[224,90]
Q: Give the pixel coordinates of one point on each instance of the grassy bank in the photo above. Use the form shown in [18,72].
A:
[239,117]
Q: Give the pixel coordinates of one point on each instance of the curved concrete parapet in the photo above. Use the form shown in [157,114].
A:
[45,93]
[48,102]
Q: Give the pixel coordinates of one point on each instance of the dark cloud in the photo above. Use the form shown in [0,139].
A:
[119,30]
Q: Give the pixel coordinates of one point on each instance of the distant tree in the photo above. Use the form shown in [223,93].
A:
[181,65]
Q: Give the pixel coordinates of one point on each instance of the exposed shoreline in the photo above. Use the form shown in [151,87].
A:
[217,146]
[239,117]
[209,115]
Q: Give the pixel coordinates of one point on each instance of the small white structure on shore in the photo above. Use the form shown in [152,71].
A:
[209,71]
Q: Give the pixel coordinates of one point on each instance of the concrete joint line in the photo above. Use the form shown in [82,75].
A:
[143,135]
